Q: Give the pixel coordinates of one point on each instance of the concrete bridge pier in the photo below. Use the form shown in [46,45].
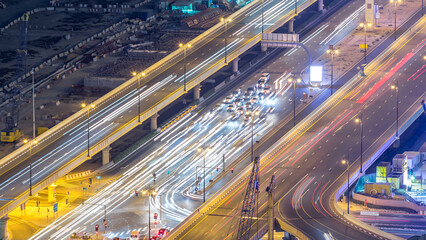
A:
[154,121]
[105,155]
[51,193]
[320,5]
[291,25]
[197,92]
[3,228]
[235,65]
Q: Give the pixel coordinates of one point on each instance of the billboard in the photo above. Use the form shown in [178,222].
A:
[316,74]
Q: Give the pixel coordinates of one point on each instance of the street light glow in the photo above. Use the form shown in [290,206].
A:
[357,120]
[134,73]
[344,161]
[143,74]
[83,105]
[393,87]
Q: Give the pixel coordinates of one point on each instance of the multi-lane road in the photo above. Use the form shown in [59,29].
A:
[307,163]
[175,178]
[111,114]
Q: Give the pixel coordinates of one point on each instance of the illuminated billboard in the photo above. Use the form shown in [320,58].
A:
[316,74]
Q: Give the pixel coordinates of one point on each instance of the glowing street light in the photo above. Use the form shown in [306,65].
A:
[184,46]
[294,81]
[344,161]
[90,106]
[395,3]
[204,170]
[365,25]
[332,52]
[31,142]
[360,121]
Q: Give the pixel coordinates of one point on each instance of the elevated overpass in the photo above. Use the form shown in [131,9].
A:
[65,146]
[306,161]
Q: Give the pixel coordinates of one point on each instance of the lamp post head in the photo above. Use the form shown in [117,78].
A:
[362,24]
[154,192]
[393,87]
[299,80]
[344,162]
[35,141]
[290,80]
[25,140]
[83,105]
[143,74]
[357,120]
[180,45]
[199,149]
[134,73]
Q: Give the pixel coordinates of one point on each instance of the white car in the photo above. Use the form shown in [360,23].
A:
[266,76]
[229,99]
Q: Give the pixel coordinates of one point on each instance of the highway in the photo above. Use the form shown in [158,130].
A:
[202,127]
[306,162]
[65,146]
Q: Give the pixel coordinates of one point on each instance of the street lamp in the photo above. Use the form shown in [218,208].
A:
[365,25]
[332,52]
[150,193]
[32,73]
[253,114]
[360,121]
[395,2]
[90,106]
[347,164]
[396,88]
[226,21]
[204,170]
[139,95]
[184,46]
[294,81]
[32,142]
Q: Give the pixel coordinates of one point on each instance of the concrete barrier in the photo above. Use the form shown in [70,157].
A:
[389,202]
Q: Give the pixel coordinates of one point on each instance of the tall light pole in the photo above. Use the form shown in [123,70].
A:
[184,46]
[139,94]
[346,161]
[31,142]
[295,7]
[32,73]
[360,121]
[90,106]
[396,88]
[294,81]
[395,3]
[365,25]
[332,52]
[253,114]
[204,170]
[226,21]
[150,193]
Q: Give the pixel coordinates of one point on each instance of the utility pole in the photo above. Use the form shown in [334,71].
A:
[270,191]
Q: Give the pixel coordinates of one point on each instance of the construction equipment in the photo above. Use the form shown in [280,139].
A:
[270,191]
[12,132]
[249,203]
[21,53]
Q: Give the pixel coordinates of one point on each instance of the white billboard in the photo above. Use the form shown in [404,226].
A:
[316,74]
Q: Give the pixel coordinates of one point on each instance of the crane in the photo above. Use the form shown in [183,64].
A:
[249,203]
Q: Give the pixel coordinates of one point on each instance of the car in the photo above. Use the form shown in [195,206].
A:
[261,96]
[266,76]
[238,102]
[254,99]
[240,110]
[229,99]
[162,232]
[250,90]
[260,83]
[247,118]
[236,93]
[134,235]
[235,116]
[267,90]
[230,108]
[217,107]
[248,106]
[247,96]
